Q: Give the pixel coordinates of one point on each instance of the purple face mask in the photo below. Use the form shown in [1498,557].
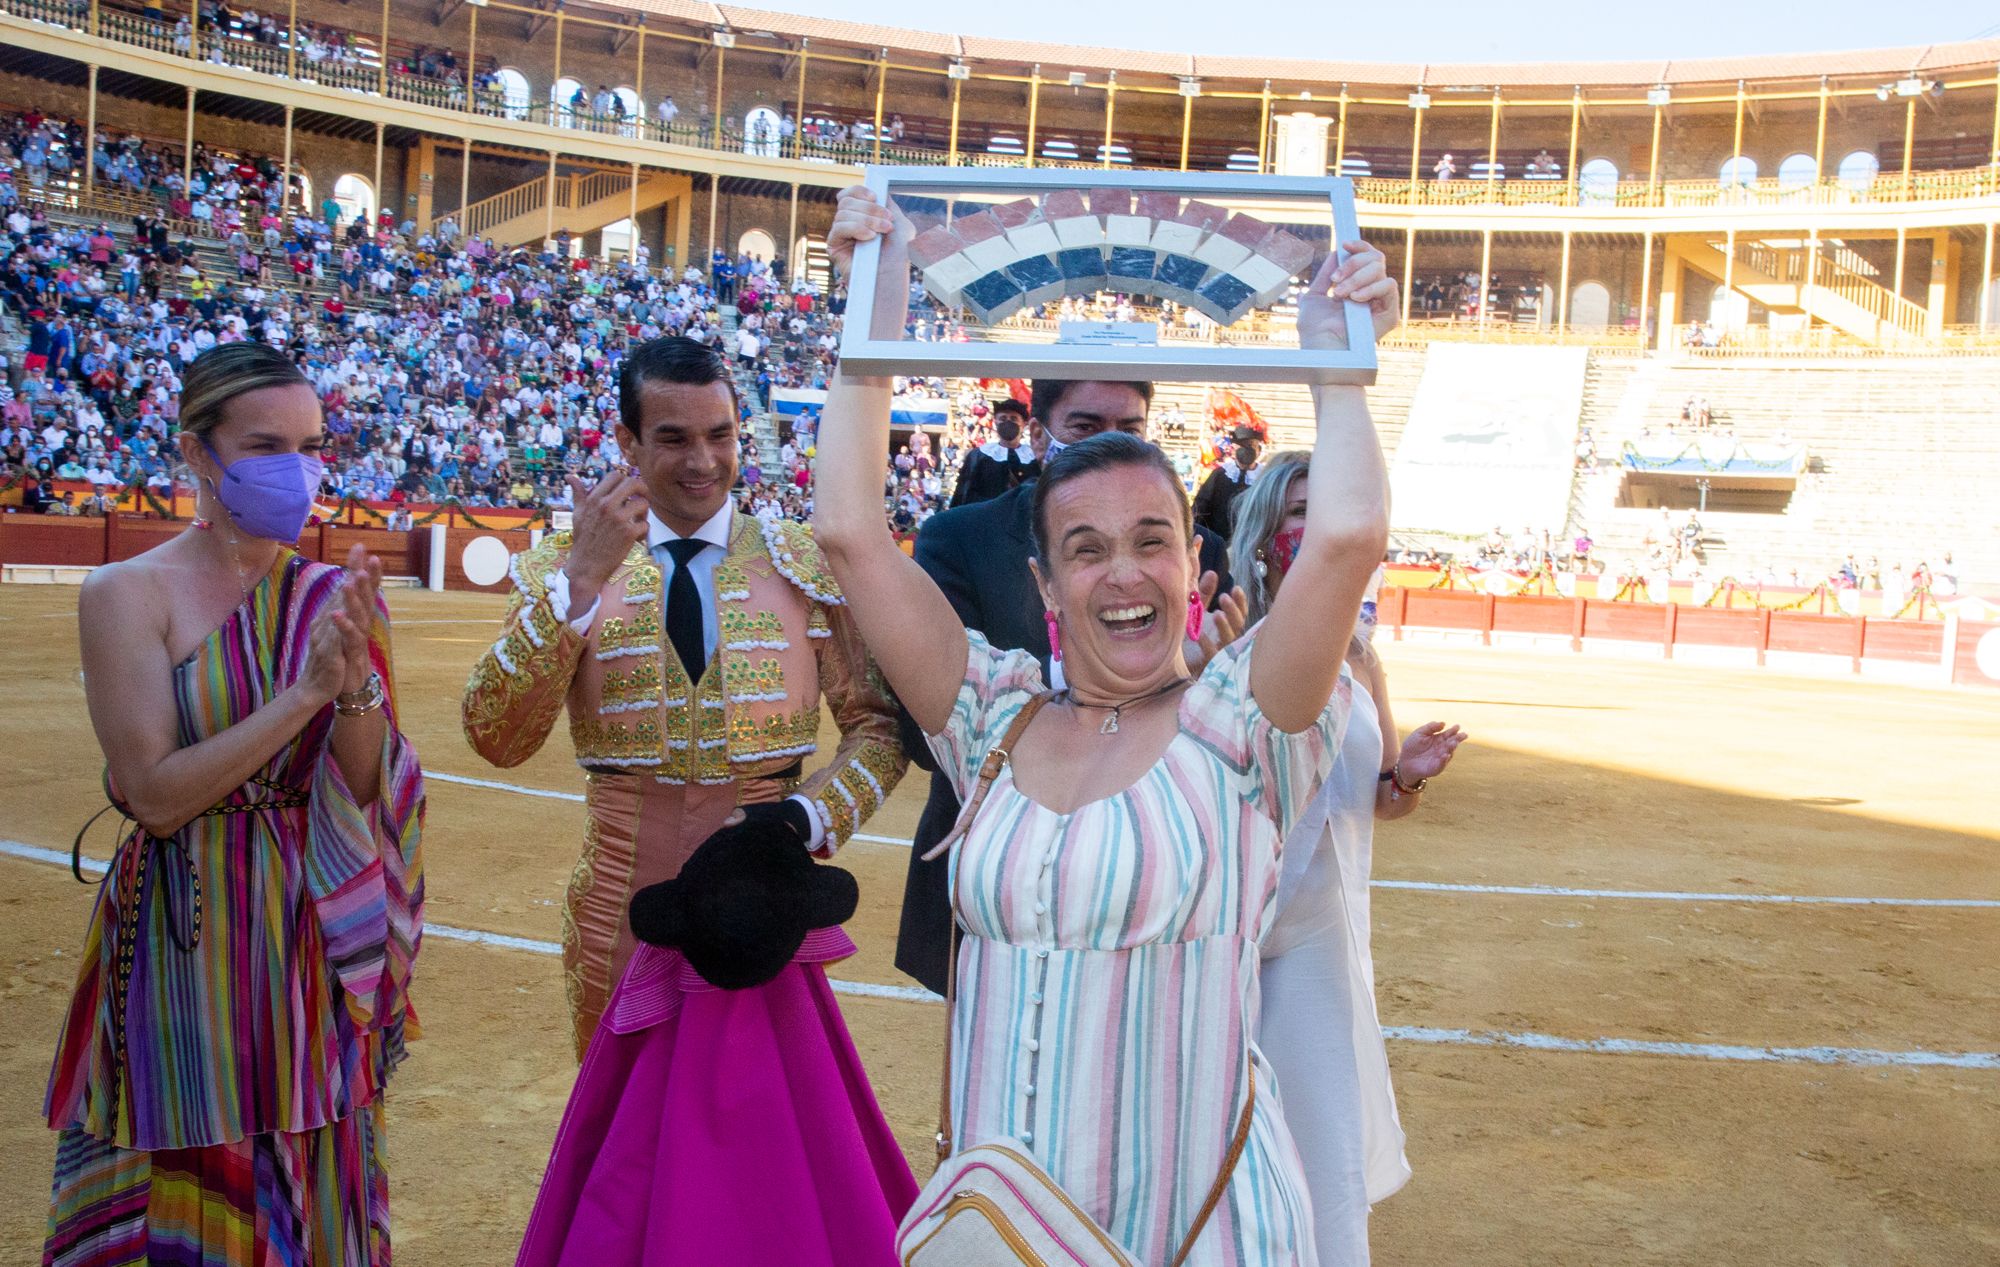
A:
[271,495]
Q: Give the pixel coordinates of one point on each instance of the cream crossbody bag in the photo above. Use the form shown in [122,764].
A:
[992,1205]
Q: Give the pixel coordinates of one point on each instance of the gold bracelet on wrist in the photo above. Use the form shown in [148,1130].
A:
[362,702]
[1396,781]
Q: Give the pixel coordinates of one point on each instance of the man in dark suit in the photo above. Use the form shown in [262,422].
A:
[978,555]
[1215,502]
[998,466]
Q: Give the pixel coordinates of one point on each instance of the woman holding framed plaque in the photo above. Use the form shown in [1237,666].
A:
[1120,856]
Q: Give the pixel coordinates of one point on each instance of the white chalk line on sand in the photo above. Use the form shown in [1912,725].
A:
[1431,886]
[1728,1052]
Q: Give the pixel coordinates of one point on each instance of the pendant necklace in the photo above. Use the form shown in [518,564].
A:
[235,550]
[1110,726]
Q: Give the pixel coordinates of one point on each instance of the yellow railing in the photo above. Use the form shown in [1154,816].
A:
[587,189]
[364,74]
[477,219]
[1792,266]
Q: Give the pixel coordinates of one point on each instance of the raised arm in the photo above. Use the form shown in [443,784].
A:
[1347,509]
[903,617]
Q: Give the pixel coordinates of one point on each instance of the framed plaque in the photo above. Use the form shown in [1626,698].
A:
[1190,276]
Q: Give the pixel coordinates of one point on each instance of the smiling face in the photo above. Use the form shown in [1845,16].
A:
[685,450]
[1121,564]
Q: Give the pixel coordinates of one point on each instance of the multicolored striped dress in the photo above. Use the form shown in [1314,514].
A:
[1107,989]
[244,993]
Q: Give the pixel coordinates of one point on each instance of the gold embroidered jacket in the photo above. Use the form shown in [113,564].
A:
[785,638]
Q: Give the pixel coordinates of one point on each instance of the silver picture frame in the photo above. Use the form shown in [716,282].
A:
[864,353]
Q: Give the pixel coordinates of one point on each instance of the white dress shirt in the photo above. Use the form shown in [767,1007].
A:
[716,533]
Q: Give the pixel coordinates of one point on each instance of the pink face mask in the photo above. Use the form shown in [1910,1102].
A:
[1285,548]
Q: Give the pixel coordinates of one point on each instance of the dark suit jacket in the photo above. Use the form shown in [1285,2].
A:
[978,555]
[982,478]
[1215,502]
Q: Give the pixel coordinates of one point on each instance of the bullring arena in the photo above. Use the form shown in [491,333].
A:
[1691,956]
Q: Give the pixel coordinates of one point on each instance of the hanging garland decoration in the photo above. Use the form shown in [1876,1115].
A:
[1737,459]
[1918,598]
[1728,584]
[1634,583]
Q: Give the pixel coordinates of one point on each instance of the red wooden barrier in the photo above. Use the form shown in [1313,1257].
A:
[1671,625]
[1977,658]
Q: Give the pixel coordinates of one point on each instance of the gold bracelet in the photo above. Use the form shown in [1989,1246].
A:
[362,702]
[1396,781]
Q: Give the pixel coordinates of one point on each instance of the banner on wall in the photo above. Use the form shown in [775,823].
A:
[1490,440]
[920,412]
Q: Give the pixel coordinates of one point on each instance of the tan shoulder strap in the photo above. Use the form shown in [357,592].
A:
[989,770]
[1229,1160]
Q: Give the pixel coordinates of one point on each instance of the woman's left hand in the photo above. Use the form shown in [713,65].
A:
[356,615]
[1363,278]
[1220,626]
[1428,751]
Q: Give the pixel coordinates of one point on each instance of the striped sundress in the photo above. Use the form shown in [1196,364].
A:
[265,999]
[1107,998]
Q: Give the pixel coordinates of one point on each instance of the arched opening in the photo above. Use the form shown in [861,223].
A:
[635,110]
[1008,145]
[758,245]
[1738,172]
[616,240]
[356,197]
[1590,306]
[1858,171]
[809,259]
[1118,153]
[1243,161]
[1797,172]
[761,135]
[1060,149]
[1728,310]
[1597,182]
[515,96]
[1354,168]
[567,100]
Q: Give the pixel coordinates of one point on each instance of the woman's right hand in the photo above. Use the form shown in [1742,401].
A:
[325,674]
[860,218]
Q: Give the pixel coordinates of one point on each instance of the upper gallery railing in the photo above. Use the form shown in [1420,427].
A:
[354,61]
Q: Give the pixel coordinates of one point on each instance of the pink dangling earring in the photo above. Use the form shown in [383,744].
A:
[1055,635]
[1194,616]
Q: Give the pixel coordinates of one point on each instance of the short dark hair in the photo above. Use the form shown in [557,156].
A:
[1010,406]
[1105,451]
[673,359]
[1047,393]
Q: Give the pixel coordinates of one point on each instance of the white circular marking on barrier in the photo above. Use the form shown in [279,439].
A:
[484,560]
[1986,654]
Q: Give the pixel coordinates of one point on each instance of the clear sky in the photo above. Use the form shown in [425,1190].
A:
[1443,30]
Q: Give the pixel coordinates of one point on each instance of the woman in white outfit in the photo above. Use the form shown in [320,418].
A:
[1319,1027]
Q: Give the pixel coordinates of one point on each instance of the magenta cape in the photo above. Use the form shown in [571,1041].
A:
[722,1127]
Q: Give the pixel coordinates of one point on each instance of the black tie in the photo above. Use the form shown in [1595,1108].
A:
[684,608]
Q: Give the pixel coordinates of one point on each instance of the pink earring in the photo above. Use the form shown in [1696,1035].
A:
[1194,616]
[1055,635]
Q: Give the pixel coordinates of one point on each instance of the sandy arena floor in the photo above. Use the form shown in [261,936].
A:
[1584,775]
